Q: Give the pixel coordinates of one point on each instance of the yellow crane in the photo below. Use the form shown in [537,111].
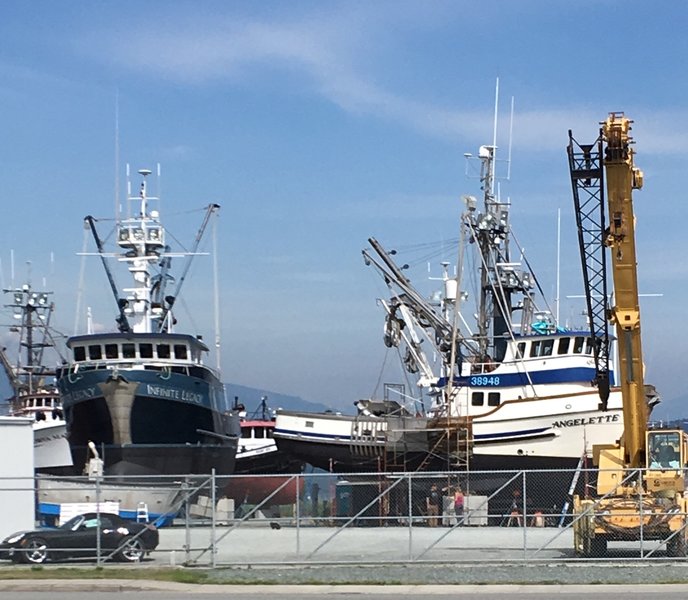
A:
[640,478]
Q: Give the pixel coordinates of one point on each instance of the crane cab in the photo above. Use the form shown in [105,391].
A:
[666,458]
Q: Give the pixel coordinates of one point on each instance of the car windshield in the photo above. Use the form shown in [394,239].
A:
[71,524]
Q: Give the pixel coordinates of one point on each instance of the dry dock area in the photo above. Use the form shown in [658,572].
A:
[260,544]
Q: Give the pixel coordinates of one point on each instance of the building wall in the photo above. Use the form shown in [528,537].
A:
[16,475]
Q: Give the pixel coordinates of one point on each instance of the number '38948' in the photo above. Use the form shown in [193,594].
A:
[484,380]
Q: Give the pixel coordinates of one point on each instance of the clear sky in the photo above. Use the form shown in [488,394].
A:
[317,125]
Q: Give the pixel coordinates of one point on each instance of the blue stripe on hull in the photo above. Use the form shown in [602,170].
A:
[495,379]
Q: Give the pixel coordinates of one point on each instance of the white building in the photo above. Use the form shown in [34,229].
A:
[17,496]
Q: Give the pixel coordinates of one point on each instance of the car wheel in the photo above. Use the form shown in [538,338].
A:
[132,550]
[676,546]
[35,552]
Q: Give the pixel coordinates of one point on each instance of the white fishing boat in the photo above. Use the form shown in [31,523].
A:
[514,390]
[257,452]
[32,379]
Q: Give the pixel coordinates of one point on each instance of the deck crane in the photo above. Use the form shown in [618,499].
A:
[122,321]
[640,479]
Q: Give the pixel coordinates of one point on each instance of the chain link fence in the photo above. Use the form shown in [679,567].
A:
[319,517]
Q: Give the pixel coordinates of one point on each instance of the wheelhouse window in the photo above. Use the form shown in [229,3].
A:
[111,351]
[146,350]
[246,432]
[493,398]
[128,350]
[477,399]
[521,350]
[79,353]
[578,343]
[563,347]
[163,350]
[180,351]
[542,348]
[95,352]
[588,346]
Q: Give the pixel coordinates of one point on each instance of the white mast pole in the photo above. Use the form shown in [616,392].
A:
[80,287]
[511,132]
[216,298]
[558,263]
[494,135]
[117,155]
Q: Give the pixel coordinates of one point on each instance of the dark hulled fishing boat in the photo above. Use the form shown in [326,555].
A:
[142,396]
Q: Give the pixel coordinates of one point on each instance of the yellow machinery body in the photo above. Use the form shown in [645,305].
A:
[640,478]
[636,504]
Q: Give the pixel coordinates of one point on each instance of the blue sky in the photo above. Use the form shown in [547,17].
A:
[317,125]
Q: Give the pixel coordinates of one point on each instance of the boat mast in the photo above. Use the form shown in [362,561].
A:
[500,278]
[33,310]
[141,237]
[491,231]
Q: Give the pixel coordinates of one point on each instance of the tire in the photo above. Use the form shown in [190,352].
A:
[598,547]
[132,551]
[676,546]
[35,552]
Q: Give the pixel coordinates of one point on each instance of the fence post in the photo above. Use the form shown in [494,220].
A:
[639,486]
[187,524]
[98,529]
[410,516]
[213,548]
[524,512]
[297,513]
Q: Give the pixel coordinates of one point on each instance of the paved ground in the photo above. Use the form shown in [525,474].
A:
[259,544]
[256,554]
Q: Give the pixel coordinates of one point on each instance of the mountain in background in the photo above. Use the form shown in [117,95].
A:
[251,399]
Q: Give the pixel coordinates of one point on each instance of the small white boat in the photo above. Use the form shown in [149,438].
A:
[257,451]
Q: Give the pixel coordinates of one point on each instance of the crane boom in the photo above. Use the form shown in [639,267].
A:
[622,177]
[607,165]
[122,321]
[211,209]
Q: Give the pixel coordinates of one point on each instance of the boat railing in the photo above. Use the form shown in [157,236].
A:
[172,365]
[482,367]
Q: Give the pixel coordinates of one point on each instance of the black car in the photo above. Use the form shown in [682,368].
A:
[123,540]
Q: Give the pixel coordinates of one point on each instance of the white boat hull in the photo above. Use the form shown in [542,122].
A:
[161,502]
[551,432]
[51,448]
